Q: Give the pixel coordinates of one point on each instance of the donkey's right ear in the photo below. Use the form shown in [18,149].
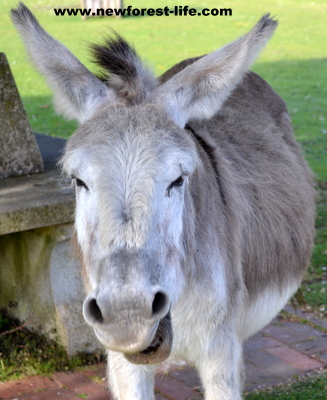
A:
[77,92]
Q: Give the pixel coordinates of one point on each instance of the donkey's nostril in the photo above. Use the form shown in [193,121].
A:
[94,311]
[160,302]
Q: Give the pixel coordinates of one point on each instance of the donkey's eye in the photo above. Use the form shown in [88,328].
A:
[177,183]
[80,183]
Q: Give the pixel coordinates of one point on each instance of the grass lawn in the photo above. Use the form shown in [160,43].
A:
[25,353]
[311,388]
[294,63]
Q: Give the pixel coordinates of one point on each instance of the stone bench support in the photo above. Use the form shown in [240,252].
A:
[40,281]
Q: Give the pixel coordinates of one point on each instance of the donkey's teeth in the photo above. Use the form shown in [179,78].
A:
[154,346]
[160,347]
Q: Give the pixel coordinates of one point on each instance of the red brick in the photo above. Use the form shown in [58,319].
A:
[294,358]
[71,380]
[269,365]
[186,375]
[51,394]
[283,335]
[174,389]
[101,394]
[22,386]
[314,346]
[259,377]
[160,396]
[303,329]
[82,384]
[91,388]
[95,371]
[323,357]
[260,343]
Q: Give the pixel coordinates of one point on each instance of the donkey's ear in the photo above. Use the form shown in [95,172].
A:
[199,90]
[77,91]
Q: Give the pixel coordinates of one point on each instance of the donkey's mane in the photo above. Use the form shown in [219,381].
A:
[123,69]
[116,56]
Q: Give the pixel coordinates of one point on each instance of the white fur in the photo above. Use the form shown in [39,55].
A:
[259,312]
[128,381]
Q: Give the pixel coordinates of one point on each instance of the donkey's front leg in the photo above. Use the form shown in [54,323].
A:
[221,369]
[128,381]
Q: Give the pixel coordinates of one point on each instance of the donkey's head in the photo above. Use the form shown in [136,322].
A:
[132,163]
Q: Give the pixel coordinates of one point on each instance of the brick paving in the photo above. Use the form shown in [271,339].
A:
[279,352]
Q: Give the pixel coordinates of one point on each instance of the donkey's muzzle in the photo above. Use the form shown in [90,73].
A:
[160,347]
[132,323]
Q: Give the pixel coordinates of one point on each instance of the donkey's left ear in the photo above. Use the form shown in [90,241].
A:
[199,90]
[77,92]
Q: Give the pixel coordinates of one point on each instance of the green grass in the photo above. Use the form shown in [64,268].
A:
[83,395]
[311,388]
[24,353]
[314,288]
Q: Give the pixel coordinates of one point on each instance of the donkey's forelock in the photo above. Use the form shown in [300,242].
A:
[123,69]
[125,193]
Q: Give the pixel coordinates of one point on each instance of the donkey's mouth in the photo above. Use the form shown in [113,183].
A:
[160,347]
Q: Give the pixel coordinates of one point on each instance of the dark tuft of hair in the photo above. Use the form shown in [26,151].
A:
[117,57]
[123,70]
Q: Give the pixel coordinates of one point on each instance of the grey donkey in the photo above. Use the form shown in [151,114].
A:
[194,206]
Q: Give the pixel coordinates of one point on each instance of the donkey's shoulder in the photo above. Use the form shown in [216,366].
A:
[253,113]
[255,95]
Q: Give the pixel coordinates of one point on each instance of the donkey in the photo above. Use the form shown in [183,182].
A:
[194,206]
